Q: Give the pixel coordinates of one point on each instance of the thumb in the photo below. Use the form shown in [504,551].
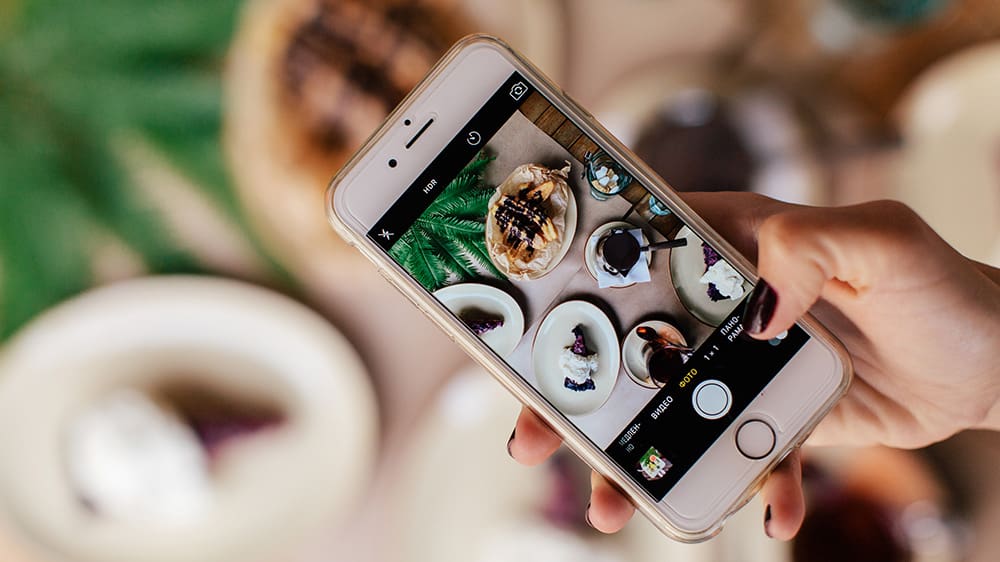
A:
[838,253]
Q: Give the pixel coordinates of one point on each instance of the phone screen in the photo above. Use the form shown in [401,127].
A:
[586,285]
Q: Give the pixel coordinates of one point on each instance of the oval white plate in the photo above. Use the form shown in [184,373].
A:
[485,298]
[556,334]
[270,490]
[590,253]
[687,265]
[632,359]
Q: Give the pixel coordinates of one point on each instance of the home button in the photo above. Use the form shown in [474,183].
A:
[755,439]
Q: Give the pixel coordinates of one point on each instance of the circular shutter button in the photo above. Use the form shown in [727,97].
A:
[712,399]
[755,439]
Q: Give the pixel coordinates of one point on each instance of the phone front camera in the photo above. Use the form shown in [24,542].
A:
[407,122]
[392,162]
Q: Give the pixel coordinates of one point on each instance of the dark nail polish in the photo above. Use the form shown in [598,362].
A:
[767,521]
[760,308]
[586,515]
[509,441]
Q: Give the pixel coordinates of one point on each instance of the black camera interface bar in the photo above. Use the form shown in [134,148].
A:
[458,152]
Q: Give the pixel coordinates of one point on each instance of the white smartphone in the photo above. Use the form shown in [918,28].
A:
[578,278]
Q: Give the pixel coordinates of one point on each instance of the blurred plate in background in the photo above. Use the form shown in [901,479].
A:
[297,104]
[460,498]
[239,343]
[949,171]
[702,129]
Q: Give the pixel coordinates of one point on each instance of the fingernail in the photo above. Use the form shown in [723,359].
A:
[767,521]
[509,441]
[760,308]
[586,515]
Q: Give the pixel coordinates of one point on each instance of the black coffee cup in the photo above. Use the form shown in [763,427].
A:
[618,251]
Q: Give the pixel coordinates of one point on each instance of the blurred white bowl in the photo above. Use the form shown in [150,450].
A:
[950,166]
[242,342]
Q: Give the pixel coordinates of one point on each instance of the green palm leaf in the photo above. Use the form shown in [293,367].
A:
[447,243]
[424,264]
[476,249]
[450,226]
[472,172]
[469,204]
[455,262]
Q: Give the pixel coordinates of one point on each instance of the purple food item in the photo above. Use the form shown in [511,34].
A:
[714,294]
[579,347]
[579,344]
[711,257]
[220,419]
[568,383]
[480,326]
[217,432]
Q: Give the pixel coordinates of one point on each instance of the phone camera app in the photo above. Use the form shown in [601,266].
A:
[518,90]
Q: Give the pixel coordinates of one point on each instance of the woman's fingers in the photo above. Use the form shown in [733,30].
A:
[783,500]
[609,510]
[837,253]
[736,216]
[532,440]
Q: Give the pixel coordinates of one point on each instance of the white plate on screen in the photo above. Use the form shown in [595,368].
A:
[687,265]
[465,298]
[491,500]
[556,334]
[568,234]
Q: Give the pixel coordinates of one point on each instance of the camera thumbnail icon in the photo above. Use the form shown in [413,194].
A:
[653,465]
[518,90]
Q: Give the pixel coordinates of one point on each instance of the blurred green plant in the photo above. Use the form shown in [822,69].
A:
[448,242]
[77,80]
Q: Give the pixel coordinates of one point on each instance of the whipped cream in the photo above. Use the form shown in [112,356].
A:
[133,460]
[577,368]
[728,282]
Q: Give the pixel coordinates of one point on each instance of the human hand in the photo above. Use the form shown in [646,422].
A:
[920,321]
